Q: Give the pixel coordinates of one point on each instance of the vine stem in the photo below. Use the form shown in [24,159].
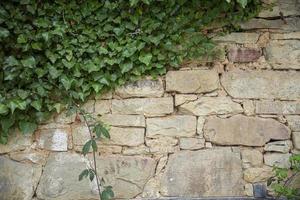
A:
[94,153]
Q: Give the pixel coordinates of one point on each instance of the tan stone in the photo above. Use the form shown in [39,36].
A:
[239,38]
[277,159]
[151,189]
[18,180]
[108,149]
[249,107]
[211,106]
[102,107]
[284,54]
[278,107]
[285,7]
[126,174]
[89,106]
[161,164]
[53,139]
[262,84]
[296,140]
[241,130]
[249,190]
[80,134]
[286,36]
[16,142]
[200,125]
[141,88]
[191,143]
[294,122]
[125,136]
[198,81]
[174,126]
[184,98]
[65,118]
[188,175]
[106,95]
[279,146]
[123,120]
[162,145]
[139,150]
[144,106]
[251,158]
[258,174]
[30,155]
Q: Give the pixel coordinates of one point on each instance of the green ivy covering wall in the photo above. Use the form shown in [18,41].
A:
[55,53]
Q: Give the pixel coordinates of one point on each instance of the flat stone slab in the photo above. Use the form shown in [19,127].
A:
[214,172]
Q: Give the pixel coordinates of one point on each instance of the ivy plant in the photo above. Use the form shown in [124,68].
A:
[56,52]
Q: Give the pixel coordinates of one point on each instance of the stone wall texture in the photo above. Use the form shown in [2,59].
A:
[205,130]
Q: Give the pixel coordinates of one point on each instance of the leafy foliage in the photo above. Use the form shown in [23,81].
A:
[57,52]
[280,183]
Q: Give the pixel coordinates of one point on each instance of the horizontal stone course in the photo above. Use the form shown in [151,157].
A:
[278,107]
[243,55]
[262,84]
[123,120]
[198,81]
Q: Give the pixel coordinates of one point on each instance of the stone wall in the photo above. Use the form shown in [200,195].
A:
[208,129]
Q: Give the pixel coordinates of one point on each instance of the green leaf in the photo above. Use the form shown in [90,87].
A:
[27,127]
[66,82]
[3,109]
[3,32]
[100,130]
[126,67]
[97,87]
[94,145]
[83,174]
[7,123]
[243,3]
[58,107]
[11,61]
[107,193]
[21,39]
[14,104]
[133,2]
[145,58]
[86,147]
[37,105]
[23,94]
[92,174]
[29,62]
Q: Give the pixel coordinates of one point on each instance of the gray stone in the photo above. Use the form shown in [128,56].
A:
[200,125]
[243,55]
[80,134]
[29,155]
[174,126]
[294,121]
[53,139]
[141,88]
[286,36]
[211,106]
[125,136]
[251,158]
[188,175]
[184,98]
[89,106]
[109,149]
[123,120]
[278,107]
[284,54]
[59,180]
[126,174]
[64,118]
[240,38]
[242,130]
[102,107]
[198,81]
[262,84]
[286,7]
[139,150]
[162,145]
[259,190]
[277,159]
[191,143]
[16,142]
[144,106]
[258,174]
[279,146]
[290,24]
[296,140]
[18,180]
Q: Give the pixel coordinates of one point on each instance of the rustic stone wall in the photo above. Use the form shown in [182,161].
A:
[208,129]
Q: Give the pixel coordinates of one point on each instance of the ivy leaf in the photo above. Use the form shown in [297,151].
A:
[66,82]
[3,109]
[13,104]
[23,94]
[243,3]
[145,58]
[133,2]
[126,67]
[27,127]
[3,32]
[21,39]
[11,61]
[83,174]
[97,87]
[94,146]
[7,123]
[86,147]
[103,51]
[92,174]
[58,107]
[101,130]
[107,193]
[37,105]
[29,62]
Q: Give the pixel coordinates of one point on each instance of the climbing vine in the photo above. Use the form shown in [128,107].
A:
[56,52]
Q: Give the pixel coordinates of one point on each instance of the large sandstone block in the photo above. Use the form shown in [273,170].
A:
[284,54]
[243,55]
[16,142]
[242,130]
[258,174]
[285,7]
[262,84]
[251,158]
[240,38]
[277,159]
[211,106]
[126,174]
[216,172]
[141,88]
[174,126]
[294,121]
[279,146]
[53,139]
[162,145]
[192,81]
[18,180]
[144,106]
[278,107]
[123,120]
[296,140]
